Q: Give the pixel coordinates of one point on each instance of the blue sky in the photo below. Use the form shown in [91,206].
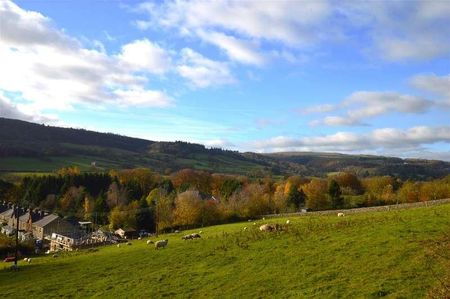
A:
[263,76]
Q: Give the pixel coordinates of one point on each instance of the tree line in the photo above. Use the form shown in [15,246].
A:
[143,199]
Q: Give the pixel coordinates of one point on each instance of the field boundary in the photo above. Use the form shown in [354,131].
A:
[401,206]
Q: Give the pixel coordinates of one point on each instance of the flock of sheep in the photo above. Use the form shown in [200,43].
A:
[264,228]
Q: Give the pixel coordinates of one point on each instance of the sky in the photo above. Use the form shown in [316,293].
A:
[355,77]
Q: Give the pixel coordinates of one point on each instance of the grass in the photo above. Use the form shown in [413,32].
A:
[379,254]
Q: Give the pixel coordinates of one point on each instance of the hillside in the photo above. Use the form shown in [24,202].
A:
[30,147]
[398,254]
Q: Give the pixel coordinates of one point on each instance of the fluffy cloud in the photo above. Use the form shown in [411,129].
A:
[143,55]
[363,105]
[11,110]
[238,27]
[52,70]
[203,72]
[386,139]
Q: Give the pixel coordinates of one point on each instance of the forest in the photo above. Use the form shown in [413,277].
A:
[140,198]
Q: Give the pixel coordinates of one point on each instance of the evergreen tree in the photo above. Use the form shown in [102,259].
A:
[334,191]
[144,216]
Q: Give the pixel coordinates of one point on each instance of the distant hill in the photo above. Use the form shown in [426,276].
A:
[30,147]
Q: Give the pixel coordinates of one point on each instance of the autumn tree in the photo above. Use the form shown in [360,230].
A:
[317,197]
[188,206]
[349,183]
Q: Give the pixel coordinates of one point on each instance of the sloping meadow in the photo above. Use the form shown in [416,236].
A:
[397,254]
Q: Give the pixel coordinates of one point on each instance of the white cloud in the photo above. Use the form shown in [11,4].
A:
[396,30]
[203,72]
[238,27]
[437,85]
[143,55]
[239,50]
[51,70]
[363,105]
[10,110]
[379,140]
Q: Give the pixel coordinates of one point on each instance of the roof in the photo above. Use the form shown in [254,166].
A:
[35,216]
[46,220]
[7,213]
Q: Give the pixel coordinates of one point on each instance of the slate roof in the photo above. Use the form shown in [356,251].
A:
[46,220]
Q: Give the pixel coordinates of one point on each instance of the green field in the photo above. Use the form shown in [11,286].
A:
[378,254]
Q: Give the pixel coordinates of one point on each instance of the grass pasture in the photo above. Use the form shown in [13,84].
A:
[368,255]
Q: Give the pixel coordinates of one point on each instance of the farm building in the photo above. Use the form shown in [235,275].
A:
[9,216]
[43,228]
[31,216]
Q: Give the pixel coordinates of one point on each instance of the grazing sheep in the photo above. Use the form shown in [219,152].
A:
[186,237]
[29,260]
[341,215]
[118,245]
[161,244]
[269,227]
[288,221]
[177,231]
[195,236]
[25,260]
[245,228]
[149,242]
[200,232]
[139,238]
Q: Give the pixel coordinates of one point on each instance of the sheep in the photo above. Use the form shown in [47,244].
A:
[161,244]
[177,231]
[139,238]
[200,232]
[245,228]
[29,260]
[254,223]
[55,255]
[149,242]
[195,236]
[191,236]
[128,243]
[118,245]
[25,259]
[186,237]
[269,227]
[340,214]
[264,218]
[288,221]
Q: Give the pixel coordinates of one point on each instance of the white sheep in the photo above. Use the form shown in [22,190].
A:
[341,214]
[29,260]
[139,238]
[254,223]
[200,232]
[161,244]
[118,245]
[149,242]
[245,228]
[288,221]
[264,218]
